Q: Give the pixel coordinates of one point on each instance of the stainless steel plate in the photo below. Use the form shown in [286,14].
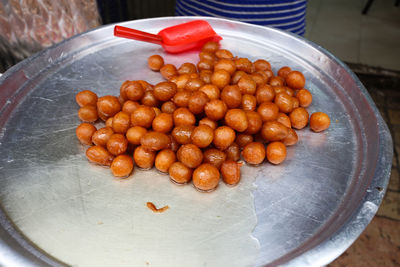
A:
[57,208]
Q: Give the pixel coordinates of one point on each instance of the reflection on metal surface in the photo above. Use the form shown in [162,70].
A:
[309,209]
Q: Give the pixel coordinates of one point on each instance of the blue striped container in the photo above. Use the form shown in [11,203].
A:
[288,15]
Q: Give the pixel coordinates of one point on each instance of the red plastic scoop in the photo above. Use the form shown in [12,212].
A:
[174,39]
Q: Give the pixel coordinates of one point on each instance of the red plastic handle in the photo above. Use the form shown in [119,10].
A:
[125,32]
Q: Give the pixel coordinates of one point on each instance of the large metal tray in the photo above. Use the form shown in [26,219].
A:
[58,209]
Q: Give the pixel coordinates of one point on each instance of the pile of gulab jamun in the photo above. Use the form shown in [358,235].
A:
[198,123]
